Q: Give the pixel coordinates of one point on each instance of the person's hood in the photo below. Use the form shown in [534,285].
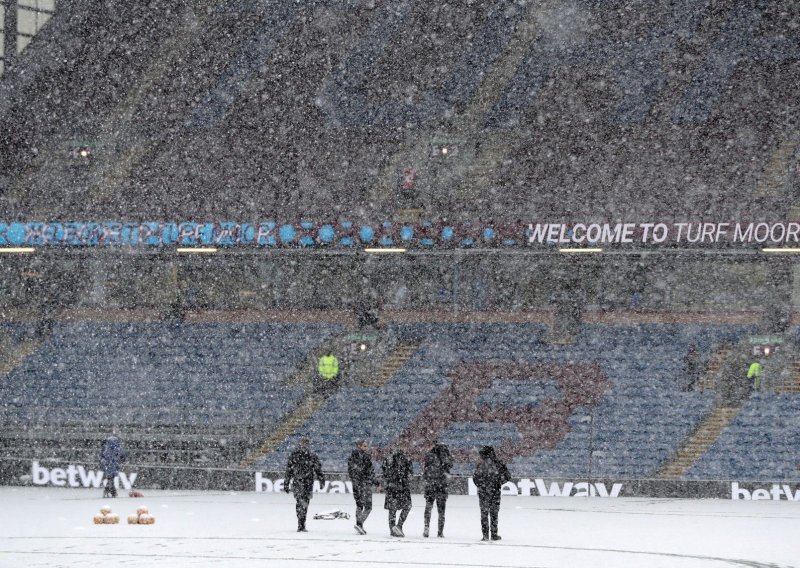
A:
[487,453]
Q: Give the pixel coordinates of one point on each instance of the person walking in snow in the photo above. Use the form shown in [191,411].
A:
[301,470]
[436,469]
[112,456]
[362,474]
[397,481]
[489,477]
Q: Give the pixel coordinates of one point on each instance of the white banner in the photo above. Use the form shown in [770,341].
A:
[662,233]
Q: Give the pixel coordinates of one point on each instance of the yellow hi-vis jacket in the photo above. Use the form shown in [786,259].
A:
[754,372]
[328,366]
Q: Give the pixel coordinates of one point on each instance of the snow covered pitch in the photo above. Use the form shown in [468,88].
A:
[51,527]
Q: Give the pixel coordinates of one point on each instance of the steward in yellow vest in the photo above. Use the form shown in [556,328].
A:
[328,367]
[754,373]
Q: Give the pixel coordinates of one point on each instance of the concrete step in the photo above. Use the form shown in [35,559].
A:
[293,422]
[712,368]
[698,444]
[117,131]
[393,364]
[18,354]
[794,385]
[775,173]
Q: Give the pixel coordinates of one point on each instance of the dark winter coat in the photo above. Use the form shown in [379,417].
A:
[490,475]
[438,463]
[112,456]
[397,480]
[359,468]
[302,468]
[692,365]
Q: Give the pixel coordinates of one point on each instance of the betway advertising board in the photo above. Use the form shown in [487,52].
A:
[524,486]
[54,474]
[541,488]
[77,476]
[270,484]
[772,492]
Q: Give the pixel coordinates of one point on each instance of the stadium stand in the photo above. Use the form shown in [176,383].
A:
[160,381]
[254,110]
[760,442]
[290,104]
[635,420]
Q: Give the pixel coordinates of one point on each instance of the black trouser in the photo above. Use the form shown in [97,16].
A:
[403,514]
[490,506]
[440,496]
[363,496]
[111,487]
[302,498]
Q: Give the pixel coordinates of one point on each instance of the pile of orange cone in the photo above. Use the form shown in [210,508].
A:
[142,517]
[106,517]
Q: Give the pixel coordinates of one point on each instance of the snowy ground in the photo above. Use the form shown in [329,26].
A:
[53,527]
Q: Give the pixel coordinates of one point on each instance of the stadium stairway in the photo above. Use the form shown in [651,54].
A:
[774,178]
[708,378]
[355,367]
[711,427]
[392,358]
[793,384]
[310,403]
[759,443]
[392,364]
[118,131]
[289,426]
[13,354]
[480,172]
[473,176]
[699,443]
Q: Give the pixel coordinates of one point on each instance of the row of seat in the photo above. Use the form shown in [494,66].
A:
[639,422]
[221,373]
[760,442]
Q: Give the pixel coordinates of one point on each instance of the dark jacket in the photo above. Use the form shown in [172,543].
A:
[438,463]
[112,456]
[490,474]
[359,468]
[691,363]
[303,467]
[397,479]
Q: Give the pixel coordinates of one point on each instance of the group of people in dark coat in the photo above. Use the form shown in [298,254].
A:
[490,475]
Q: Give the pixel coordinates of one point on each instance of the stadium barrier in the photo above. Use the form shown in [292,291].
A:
[56,473]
